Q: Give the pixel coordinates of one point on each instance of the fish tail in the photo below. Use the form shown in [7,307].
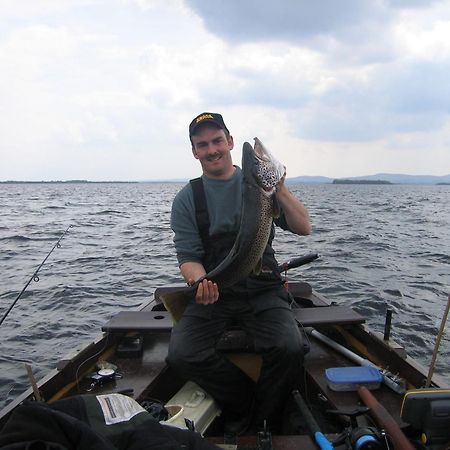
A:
[176,302]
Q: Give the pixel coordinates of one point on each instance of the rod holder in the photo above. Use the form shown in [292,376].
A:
[387,324]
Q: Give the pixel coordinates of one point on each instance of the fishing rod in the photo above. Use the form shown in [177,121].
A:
[438,343]
[321,440]
[297,262]
[35,276]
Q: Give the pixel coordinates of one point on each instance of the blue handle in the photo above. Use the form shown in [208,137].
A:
[322,441]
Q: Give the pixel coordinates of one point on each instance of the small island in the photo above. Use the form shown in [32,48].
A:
[346,181]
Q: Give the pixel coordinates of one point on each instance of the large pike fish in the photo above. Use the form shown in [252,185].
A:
[261,173]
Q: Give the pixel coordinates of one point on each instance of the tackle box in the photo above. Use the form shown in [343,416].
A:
[350,378]
[191,407]
[427,411]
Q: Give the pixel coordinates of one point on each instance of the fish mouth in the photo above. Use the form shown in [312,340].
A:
[269,170]
[260,151]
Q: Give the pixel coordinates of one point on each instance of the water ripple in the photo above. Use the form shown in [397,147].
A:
[381,247]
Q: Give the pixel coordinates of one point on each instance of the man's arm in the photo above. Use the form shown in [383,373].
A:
[192,271]
[189,246]
[207,291]
[297,216]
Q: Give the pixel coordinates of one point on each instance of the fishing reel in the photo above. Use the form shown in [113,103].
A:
[361,438]
[366,438]
[103,376]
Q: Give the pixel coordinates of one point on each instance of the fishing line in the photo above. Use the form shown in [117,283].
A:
[35,276]
[77,379]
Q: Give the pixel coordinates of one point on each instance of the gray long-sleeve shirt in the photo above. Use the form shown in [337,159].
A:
[224,199]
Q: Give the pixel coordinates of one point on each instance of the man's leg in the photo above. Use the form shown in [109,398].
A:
[279,342]
[192,353]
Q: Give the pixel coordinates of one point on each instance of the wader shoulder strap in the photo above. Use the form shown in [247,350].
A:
[201,208]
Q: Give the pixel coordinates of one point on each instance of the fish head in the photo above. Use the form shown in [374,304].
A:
[259,164]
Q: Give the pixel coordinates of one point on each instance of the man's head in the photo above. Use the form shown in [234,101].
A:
[211,145]
[205,118]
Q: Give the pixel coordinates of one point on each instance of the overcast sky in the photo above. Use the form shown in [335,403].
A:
[105,89]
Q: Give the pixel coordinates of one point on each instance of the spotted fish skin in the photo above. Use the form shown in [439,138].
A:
[269,170]
[261,174]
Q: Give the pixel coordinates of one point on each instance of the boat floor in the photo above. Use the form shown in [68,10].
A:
[137,374]
[147,376]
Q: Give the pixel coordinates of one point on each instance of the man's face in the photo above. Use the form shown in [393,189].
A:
[212,147]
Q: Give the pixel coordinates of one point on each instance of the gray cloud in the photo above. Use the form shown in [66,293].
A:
[292,20]
[296,20]
[419,87]
[261,89]
[398,99]
[347,31]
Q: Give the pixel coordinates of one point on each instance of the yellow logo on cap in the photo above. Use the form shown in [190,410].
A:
[204,117]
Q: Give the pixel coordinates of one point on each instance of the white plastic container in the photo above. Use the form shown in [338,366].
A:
[350,378]
[193,403]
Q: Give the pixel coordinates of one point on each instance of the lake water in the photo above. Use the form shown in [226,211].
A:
[380,246]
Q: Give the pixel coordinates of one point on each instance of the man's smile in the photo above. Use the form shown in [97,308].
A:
[214,157]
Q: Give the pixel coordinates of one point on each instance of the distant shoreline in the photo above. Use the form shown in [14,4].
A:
[378,179]
[361,182]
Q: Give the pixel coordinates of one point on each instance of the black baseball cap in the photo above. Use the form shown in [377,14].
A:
[205,117]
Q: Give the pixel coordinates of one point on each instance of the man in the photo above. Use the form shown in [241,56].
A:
[258,304]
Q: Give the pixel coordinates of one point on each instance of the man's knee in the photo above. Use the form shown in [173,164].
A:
[291,348]
[184,356]
[178,356]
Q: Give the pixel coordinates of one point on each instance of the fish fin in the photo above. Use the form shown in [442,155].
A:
[276,210]
[177,301]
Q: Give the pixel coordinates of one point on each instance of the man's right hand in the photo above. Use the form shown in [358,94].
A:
[207,292]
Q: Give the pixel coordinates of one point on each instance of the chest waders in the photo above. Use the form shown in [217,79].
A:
[217,247]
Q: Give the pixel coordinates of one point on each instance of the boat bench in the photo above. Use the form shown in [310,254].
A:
[146,321]
[158,319]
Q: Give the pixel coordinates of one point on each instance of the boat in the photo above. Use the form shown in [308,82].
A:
[359,389]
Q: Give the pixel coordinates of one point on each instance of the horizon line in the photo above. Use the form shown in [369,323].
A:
[184,180]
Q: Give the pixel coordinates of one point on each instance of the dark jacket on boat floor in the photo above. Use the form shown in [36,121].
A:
[39,426]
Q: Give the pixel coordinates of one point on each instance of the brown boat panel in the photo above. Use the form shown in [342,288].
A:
[134,374]
[383,353]
[319,359]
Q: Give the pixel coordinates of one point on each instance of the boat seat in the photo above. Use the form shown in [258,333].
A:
[143,321]
[147,321]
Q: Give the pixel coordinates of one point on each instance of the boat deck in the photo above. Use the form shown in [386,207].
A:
[143,373]
[147,375]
